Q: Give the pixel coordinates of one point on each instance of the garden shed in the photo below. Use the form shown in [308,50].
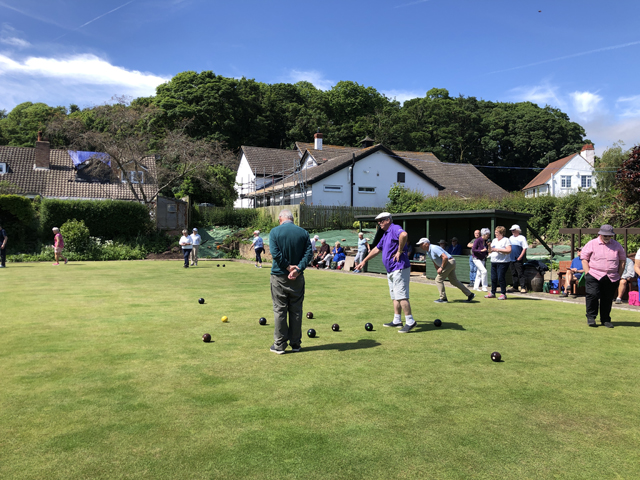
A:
[445,225]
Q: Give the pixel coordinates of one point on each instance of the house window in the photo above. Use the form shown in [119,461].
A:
[136,177]
[3,168]
[332,188]
[400,177]
[366,189]
[565,181]
[585,181]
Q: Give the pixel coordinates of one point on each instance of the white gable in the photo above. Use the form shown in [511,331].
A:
[576,174]
[373,176]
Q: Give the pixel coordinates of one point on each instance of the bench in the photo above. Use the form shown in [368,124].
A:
[575,289]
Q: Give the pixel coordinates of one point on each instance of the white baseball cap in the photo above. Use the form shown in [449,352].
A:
[256,231]
[423,240]
[383,215]
[316,237]
[195,229]
[515,227]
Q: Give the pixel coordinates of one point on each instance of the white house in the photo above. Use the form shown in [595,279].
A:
[363,177]
[260,167]
[564,176]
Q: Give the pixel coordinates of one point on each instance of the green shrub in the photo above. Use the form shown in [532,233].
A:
[237,217]
[107,219]
[76,237]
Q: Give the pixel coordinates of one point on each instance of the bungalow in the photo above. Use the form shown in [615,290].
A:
[564,176]
[330,175]
[68,174]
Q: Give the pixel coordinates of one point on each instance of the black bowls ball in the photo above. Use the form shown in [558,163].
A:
[262,321]
[206,338]
[223,266]
[201,301]
[368,327]
[437,322]
[309,315]
[311,333]
[496,357]
[335,327]
[217,265]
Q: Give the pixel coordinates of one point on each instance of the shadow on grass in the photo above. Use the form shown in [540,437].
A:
[426,327]
[626,324]
[343,347]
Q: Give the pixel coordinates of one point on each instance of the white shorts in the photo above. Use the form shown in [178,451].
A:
[399,284]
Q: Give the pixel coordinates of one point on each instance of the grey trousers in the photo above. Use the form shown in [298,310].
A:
[450,273]
[287,296]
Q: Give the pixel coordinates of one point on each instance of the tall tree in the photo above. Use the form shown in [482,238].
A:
[608,165]
[628,177]
[19,128]
[129,134]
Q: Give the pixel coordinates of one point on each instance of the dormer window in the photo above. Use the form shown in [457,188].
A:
[3,168]
[134,177]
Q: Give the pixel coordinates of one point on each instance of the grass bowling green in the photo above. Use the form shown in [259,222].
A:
[104,374]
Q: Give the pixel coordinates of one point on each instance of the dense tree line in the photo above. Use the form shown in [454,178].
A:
[506,140]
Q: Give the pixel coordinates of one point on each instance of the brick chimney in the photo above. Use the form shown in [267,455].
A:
[42,153]
[317,141]
[588,153]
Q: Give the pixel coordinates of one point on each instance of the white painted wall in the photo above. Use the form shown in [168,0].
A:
[379,171]
[576,168]
[246,182]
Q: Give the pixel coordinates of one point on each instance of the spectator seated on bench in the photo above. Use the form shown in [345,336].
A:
[628,279]
[573,274]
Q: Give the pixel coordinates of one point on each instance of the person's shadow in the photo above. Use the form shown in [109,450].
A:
[626,324]
[343,347]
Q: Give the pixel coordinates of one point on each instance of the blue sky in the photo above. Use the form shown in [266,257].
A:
[578,55]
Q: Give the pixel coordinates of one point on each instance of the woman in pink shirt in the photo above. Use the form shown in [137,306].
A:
[603,261]
[58,245]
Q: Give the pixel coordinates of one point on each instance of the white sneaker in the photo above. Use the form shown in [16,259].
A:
[484,289]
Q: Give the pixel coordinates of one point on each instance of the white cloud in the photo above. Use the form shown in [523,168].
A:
[10,36]
[403,95]
[82,79]
[312,76]
[544,94]
[15,42]
[630,106]
[586,104]
[605,130]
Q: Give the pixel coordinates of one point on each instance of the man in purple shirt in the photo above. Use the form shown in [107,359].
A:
[394,248]
[603,261]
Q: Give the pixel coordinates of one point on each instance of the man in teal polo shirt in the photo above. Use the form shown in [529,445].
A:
[291,252]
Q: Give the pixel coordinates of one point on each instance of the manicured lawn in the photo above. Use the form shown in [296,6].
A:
[103,374]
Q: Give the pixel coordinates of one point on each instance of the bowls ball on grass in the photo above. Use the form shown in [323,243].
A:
[224,319]
[311,333]
[496,357]
[262,321]
[437,322]
[309,315]
[201,301]
[335,327]
[206,338]
[368,327]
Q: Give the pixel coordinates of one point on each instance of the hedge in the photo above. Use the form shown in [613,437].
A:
[18,218]
[107,219]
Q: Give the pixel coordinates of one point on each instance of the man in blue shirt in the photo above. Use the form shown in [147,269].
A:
[574,271]
[393,246]
[446,268]
[455,248]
